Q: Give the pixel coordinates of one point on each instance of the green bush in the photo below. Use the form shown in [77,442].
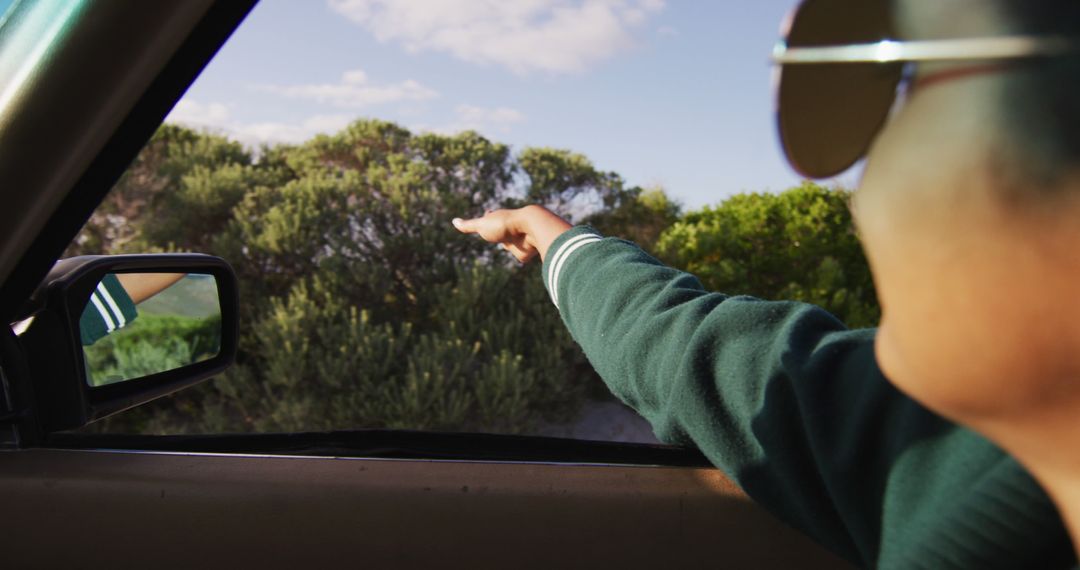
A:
[143,359]
[361,306]
[152,344]
[799,245]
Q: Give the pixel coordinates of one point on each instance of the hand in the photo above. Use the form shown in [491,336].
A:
[524,232]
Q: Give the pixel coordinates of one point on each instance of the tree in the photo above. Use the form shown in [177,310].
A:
[164,196]
[641,217]
[361,305]
[800,245]
[568,184]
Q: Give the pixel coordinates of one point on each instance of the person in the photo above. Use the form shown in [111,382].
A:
[112,303]
[938,439]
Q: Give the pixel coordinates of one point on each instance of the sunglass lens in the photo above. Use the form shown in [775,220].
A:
[828,114]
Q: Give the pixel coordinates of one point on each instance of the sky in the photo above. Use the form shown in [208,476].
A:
[675,93]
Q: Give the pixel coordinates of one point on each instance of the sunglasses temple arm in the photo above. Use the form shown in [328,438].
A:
[967,49]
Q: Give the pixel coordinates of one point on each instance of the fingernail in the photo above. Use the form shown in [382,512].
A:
[456,222]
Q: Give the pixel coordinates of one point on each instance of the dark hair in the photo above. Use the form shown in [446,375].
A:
[1041,107]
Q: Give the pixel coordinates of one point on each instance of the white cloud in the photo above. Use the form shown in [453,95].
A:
[253,134]
[355,91]
[556,36]
[217,118]
[328,123]
[354,77]
[500,116]
[197,114]
[485,120]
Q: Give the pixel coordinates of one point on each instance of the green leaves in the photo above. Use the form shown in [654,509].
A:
[568,183]
[640,216]
[799,245]
[362,307]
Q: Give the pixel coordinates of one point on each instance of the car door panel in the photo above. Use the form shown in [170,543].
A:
[79,508]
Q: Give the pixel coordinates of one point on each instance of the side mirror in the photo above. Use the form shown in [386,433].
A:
[108,333]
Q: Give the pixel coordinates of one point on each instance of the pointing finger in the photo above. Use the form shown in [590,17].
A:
[465,226]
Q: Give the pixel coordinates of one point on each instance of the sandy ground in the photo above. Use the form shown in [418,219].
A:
[605,421]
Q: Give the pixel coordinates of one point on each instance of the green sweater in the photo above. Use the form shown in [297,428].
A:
[792,405]
[109,308]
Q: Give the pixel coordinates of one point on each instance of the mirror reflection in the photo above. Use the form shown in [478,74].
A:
[138,324]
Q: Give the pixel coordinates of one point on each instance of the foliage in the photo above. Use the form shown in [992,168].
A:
[179,177]
[143,359]
[641,218]
[800,245]
[568,184]
[151,344]
[328,365]
[363,307]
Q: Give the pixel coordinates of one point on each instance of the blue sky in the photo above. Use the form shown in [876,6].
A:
[675,93]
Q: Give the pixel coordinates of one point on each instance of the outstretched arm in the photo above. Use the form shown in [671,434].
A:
[142,286]
[792,405]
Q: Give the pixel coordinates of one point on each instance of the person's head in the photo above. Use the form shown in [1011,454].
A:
[969,210]
[970,213]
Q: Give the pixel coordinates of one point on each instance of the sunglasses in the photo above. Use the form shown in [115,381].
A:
[840,71]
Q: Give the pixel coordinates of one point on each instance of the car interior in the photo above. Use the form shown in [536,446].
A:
[83,86]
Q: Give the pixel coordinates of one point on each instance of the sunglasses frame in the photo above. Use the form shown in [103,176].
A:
[908,53]
[961,49]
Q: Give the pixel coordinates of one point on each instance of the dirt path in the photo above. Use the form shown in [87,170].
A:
[605,421]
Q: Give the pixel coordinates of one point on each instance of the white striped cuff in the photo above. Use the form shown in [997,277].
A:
[559,257]
[118,320]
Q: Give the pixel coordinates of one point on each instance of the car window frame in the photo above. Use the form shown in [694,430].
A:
[59,225]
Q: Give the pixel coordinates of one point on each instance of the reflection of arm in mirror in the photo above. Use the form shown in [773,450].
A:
[142,286]
[112,304]
[109,308]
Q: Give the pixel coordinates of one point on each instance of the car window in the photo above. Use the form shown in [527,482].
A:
[325,150]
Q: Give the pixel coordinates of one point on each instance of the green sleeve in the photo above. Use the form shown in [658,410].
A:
[108,309]
[791,404]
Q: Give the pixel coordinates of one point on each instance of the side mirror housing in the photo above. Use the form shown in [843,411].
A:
[107,333]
